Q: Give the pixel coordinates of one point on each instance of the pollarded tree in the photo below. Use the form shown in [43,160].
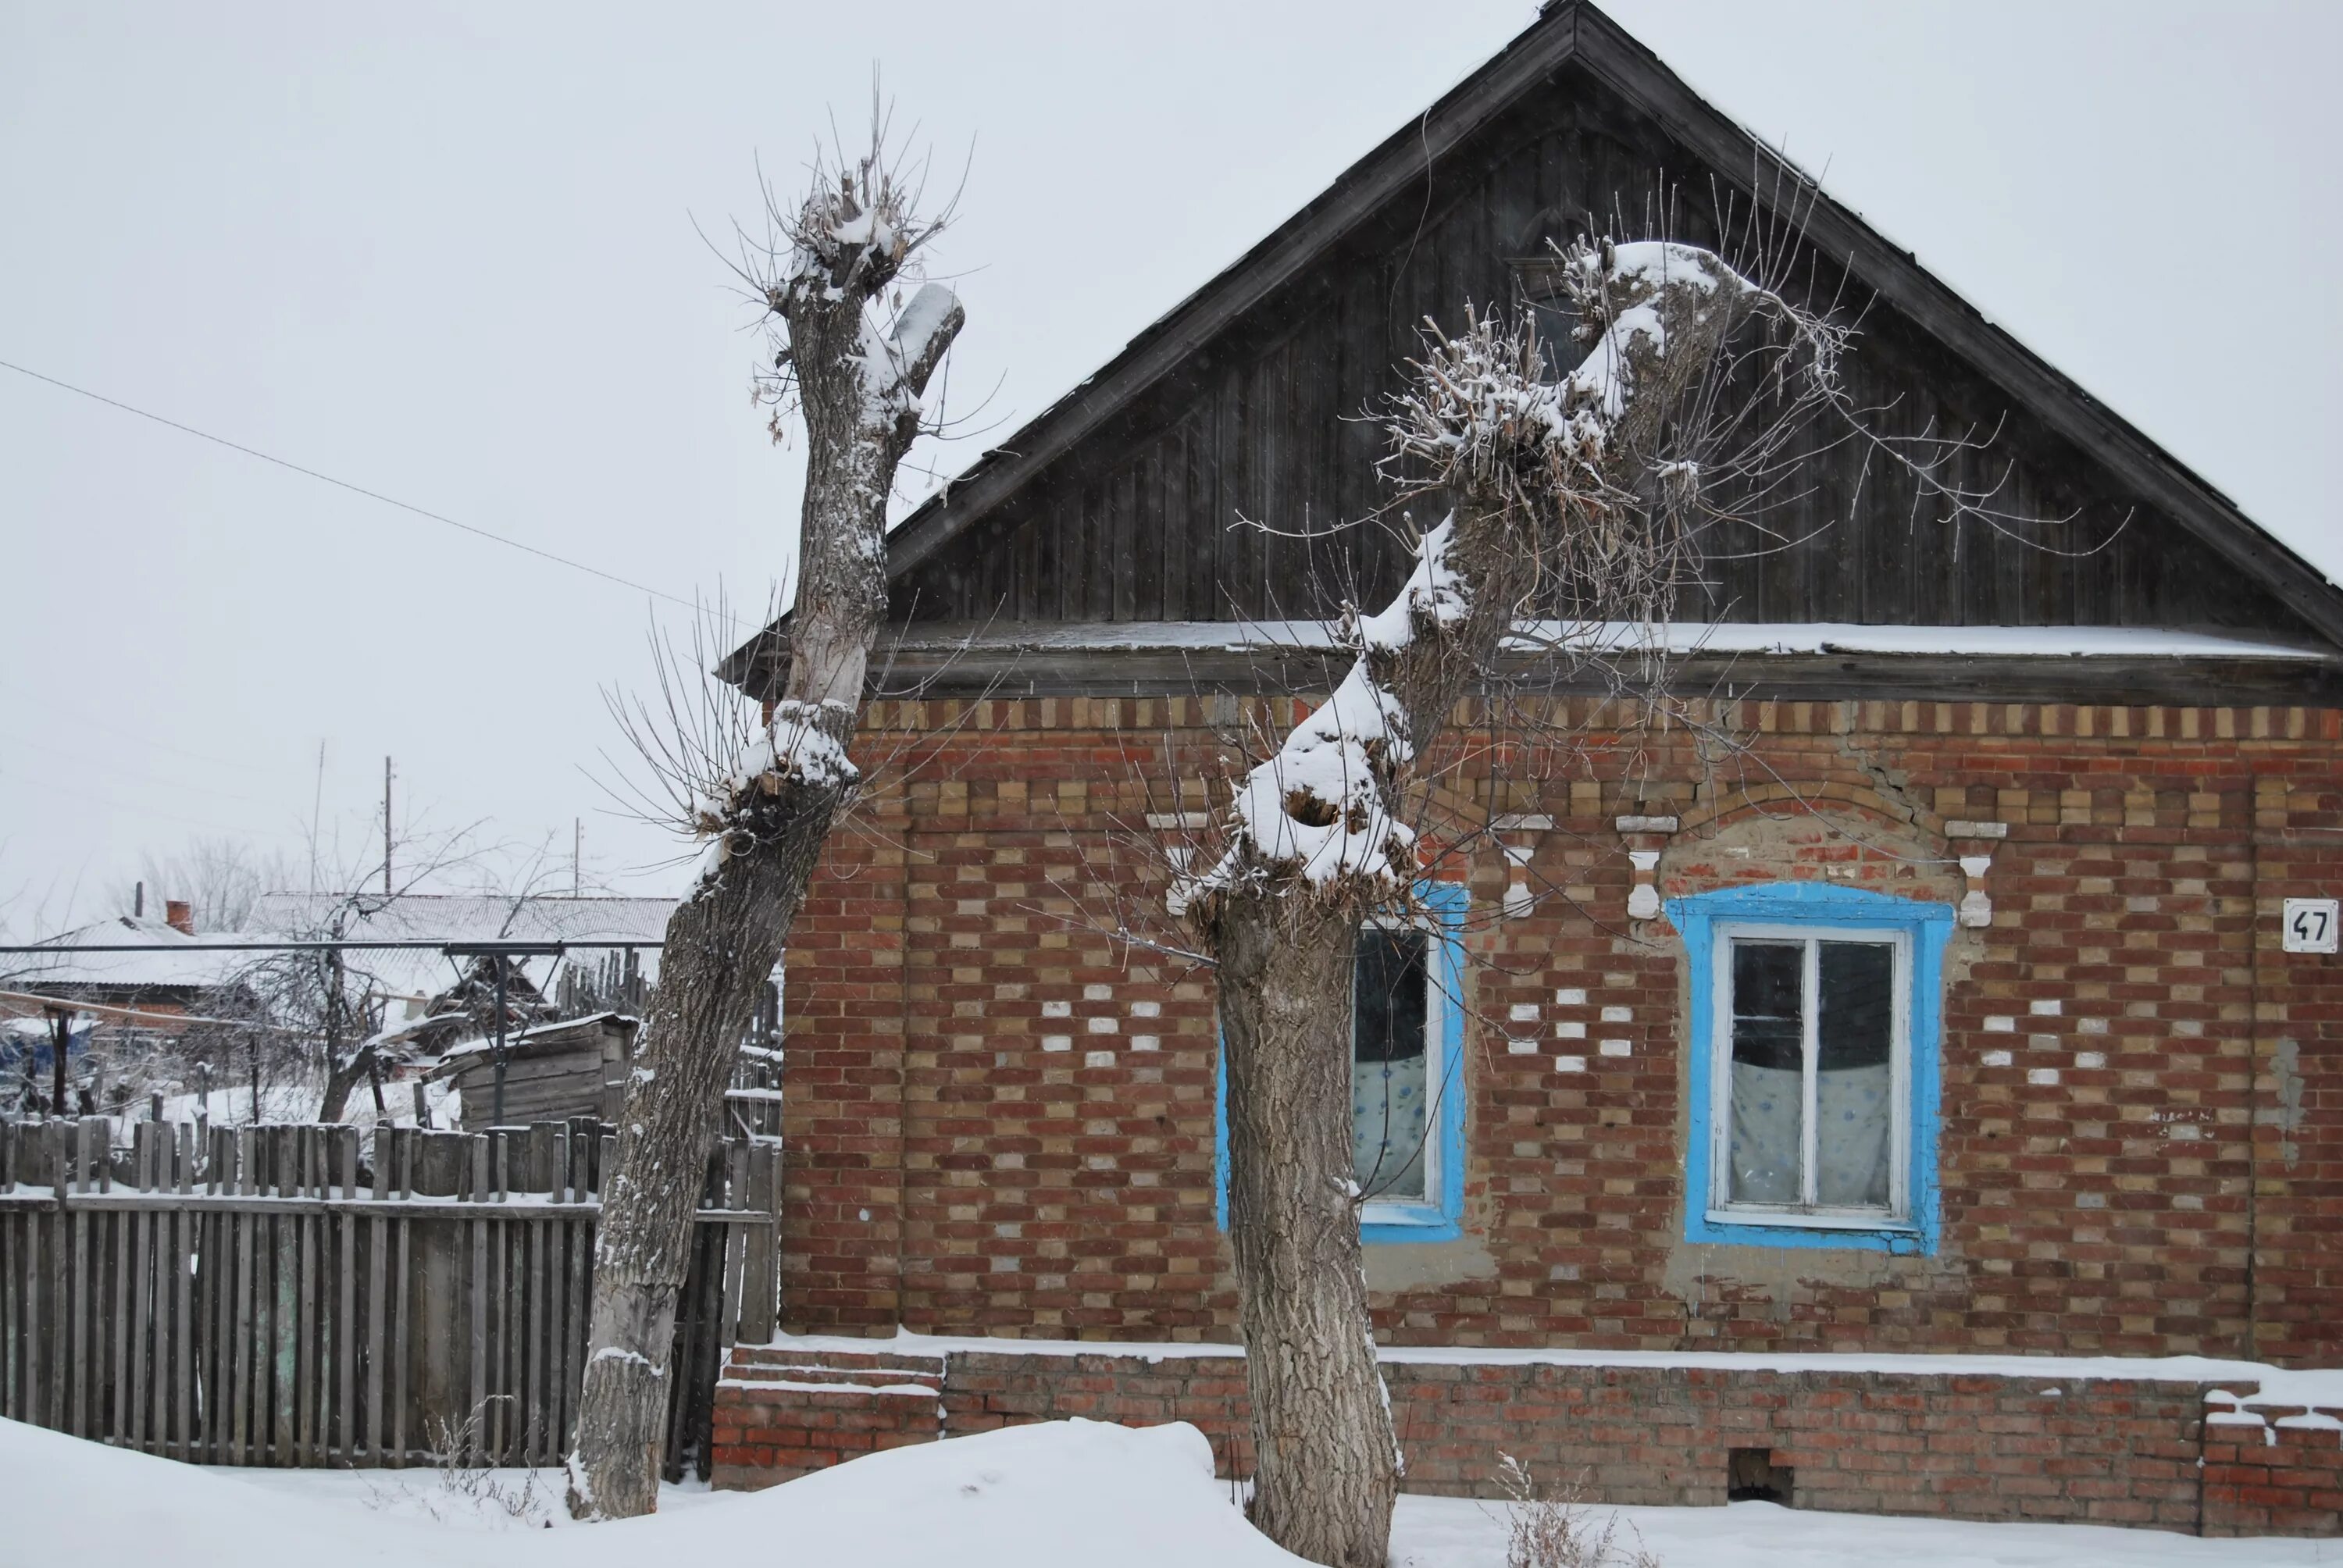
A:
[1575,500]
[855,371]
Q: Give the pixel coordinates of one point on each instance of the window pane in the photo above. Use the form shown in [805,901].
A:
[1389,1109]
[1768,1135]
[1854,1097]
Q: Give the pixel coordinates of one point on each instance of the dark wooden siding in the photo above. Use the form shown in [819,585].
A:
[1141,520]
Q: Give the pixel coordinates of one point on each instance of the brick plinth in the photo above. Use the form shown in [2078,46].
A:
[1953,1444]
[779,1416]
[2275,1479]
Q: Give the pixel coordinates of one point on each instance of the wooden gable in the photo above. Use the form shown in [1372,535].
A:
[1116,504]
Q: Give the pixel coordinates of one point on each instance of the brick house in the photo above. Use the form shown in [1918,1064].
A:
[1954,1019]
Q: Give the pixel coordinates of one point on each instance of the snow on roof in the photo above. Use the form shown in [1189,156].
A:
[464,917]
[1747,638]
[191,963]
[469,918]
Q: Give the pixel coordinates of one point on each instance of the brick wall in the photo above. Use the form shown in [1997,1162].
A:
[2274,1480]
[2047,1446]
[999,1118]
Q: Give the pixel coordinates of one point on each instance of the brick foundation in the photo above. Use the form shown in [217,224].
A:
[2045,1446]
[2273,1479]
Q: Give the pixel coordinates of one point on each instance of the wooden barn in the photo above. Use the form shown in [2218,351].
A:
[553,1071]
[2045,816]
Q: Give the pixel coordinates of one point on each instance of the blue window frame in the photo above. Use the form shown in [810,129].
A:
[1408,1094]
[1814,1041]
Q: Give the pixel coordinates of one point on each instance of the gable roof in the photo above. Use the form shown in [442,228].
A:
[1573,33]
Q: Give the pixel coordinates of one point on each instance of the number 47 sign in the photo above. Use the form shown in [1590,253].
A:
[2310,925]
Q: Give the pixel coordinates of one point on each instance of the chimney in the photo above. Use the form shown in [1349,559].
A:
[179,915]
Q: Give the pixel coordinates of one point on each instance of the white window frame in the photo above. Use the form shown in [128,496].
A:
[1426,1209]
[1722,1207]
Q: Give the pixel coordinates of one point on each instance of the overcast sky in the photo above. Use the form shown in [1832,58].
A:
[448,254]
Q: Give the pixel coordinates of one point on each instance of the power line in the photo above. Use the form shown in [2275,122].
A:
[356,490]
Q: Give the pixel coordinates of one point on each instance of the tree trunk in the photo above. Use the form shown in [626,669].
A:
[1327,1464]
[860,393]
[722,942]
[1320,840]
[342,1077]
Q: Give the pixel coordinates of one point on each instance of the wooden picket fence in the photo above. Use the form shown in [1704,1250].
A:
[287,1295]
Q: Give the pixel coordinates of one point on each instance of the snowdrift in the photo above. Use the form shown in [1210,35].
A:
[1052,1495]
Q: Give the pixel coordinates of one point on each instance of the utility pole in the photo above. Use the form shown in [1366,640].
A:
[316,808]
[385,826]
[576,854]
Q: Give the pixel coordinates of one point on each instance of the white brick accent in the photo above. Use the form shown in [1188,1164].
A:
[1520,1048]
[1998,1024]
[1147,1010]
[1098,993]
[1102,1025]
[1057,1010]
[2049,1009]
[1618,1015]
[1524,1013]
[1570,1031]
[1996,1059]
[1617,1048]
[1097,1059]
[1570,1064]
[2041,1075]
[1146,1042]
[1570,996]
[1057,1042]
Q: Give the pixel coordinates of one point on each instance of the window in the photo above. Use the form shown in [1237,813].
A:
[1811,1064]
[1394,1153]
[1814,1066]
[1407,1108]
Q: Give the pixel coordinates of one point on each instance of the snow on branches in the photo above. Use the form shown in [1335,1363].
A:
[847,240]
[1482,413]
[1568,470]
[829,272]
[1320,805]
[796,748]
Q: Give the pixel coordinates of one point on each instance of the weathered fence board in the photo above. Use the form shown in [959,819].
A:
[284,1296]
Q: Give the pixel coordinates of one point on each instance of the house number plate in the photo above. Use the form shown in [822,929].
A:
[2310,925]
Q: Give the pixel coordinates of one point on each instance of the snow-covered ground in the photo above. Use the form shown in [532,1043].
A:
[1053,1495]
[231,1106]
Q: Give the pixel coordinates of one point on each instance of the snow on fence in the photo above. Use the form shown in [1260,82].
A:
[306,1296]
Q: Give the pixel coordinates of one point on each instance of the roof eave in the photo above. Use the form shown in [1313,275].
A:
[1568,31]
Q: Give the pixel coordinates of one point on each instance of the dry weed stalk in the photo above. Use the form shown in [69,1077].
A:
[1552,1527]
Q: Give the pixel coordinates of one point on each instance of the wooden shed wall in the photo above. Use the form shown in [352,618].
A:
[1134,523]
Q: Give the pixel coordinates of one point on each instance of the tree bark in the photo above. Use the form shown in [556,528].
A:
[858,390]
[1327,1464]
[1282,931]
[341,1077]
[1327,1459]
[722,942]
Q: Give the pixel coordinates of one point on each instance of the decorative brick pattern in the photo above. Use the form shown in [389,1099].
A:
[2142,1141]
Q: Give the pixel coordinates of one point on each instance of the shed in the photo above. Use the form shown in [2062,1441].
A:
[575,1066]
